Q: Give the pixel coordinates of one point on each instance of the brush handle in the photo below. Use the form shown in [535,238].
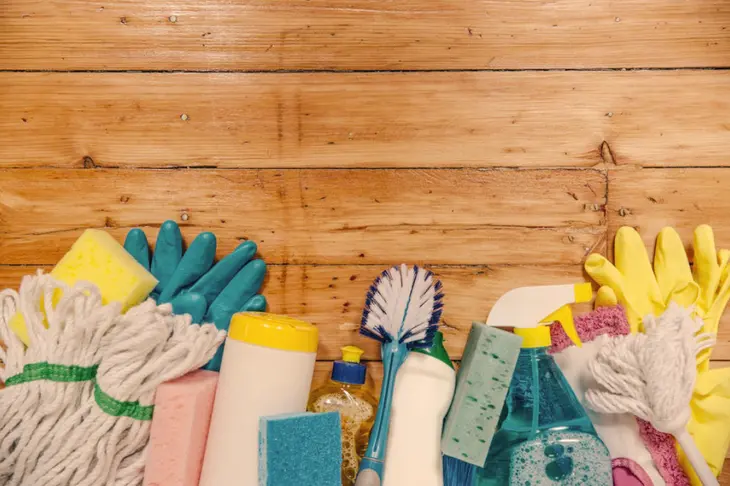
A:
[695,458]
[394,354]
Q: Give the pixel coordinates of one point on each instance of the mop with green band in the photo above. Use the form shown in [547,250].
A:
[79,400]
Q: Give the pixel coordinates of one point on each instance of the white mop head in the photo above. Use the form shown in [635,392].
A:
[94,431]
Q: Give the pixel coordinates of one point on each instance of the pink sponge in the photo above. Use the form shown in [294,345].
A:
[180,430]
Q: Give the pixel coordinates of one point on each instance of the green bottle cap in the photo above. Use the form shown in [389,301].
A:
[437,350]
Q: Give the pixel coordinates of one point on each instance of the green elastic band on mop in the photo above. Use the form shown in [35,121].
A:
[118,408]
[53,372]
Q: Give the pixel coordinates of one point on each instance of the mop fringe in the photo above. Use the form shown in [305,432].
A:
[59,428]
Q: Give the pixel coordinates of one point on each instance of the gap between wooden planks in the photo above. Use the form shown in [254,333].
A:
[342,34]
[373,120]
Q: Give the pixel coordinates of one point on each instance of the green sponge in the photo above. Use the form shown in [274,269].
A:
[302,449]
[486,370]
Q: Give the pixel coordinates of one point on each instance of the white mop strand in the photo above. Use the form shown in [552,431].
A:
[75,325]
[150,345]
[652,376]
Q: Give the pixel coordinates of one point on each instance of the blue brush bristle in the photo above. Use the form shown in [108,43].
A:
[458,473]
[403,306]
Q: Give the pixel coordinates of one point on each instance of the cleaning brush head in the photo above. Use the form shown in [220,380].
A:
[403,304]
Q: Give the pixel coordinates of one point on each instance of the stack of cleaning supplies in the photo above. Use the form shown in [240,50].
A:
[402,310]
[646,291]
[545,436]
[486,370]
[80,398]
[267,370]
[652,376]
[634,463]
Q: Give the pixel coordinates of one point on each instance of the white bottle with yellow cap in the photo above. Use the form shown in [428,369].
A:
[267,369]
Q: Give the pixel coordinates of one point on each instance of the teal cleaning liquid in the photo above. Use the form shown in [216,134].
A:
[545,436]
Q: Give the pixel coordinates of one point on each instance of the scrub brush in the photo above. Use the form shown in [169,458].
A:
[402,311]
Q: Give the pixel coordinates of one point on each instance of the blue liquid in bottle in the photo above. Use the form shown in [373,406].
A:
[545,436]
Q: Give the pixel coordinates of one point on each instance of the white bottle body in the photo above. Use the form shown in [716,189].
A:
[423,391]
[254,382]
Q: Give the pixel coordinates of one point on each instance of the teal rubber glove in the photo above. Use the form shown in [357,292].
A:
[193,285]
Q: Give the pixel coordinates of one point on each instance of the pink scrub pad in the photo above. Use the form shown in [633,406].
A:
[180,430]
[612,321]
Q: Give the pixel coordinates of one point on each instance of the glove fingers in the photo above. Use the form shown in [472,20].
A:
[197,260]
[190,303]
[257,303]
[672,271]
[608,276]
[167,255]
[212,283]
[719,301]
[605,297]
[632,261]
[242,287]
[707,269]
[136,245]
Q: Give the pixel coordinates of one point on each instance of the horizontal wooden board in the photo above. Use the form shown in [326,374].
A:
[462,216]
[507,119]
[332,297]
[650,199]
[363,34]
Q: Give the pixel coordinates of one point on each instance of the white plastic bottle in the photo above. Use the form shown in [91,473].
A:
[424,388]
[267,369]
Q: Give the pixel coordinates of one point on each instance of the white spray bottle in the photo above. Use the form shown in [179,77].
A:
[424,388]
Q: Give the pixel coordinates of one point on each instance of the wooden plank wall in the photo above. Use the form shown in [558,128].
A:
[497,142]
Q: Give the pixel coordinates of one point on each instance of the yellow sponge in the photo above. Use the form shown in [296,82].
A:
[98,258]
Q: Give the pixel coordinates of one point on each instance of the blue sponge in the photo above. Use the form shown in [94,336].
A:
[302,449]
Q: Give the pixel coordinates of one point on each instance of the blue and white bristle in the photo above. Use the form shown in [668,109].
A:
[404,304]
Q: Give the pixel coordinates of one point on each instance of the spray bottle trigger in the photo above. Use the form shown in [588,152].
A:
[565,316]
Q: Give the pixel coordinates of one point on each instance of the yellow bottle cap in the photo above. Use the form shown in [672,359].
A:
[274,331]
[535,337]
[351,354]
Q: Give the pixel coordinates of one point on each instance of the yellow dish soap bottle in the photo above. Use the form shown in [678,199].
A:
[347,392]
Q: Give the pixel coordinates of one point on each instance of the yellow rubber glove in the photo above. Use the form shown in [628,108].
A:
[631,282]
[709,424]
[706,286]
[711,274]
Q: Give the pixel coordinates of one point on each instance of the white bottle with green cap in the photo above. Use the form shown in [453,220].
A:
[267,369]
[424,388]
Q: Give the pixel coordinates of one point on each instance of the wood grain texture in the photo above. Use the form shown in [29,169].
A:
[506,119]
[650,199]
[463,216]
[332,297]
[362,34]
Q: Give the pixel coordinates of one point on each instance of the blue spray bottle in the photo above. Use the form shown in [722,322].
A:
[545,436]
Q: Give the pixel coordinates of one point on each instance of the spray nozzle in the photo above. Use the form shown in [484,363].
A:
[530,310]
